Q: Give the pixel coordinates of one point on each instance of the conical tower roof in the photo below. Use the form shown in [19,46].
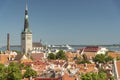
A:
[26,21]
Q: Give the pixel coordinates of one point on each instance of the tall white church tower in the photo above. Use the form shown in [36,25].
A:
[26,35]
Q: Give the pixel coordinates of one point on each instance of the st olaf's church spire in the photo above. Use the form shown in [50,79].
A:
[26,35]
[26,22]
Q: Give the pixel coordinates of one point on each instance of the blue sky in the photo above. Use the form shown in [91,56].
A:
[62,21]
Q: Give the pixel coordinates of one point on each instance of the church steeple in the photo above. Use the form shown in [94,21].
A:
[26,35]
[26,22]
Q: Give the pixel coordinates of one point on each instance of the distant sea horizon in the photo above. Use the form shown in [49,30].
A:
[75,47]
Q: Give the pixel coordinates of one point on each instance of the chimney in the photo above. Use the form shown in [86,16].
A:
[8,41]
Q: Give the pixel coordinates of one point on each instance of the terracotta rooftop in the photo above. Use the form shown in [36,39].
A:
[57,62]
[69,55]
[91,49]
[113,54]
[118,67]
[3,58]
[37,56]
[25,61]
[38,66]
[66,76]
[90,55]
[60,78]
[86,68]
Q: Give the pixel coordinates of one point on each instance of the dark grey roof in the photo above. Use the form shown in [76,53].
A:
[37,44]
[48,75]
[19,56]
[26,32]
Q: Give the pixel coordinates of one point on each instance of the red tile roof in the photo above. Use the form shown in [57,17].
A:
[38,66]
[86,68]
[25,79]
[70,55]
[90,55]
[37,56]
[118,67]
[4,58]
[57,62]
[25,60]
[66,76]
[91,49]
[60,78]
[113,54]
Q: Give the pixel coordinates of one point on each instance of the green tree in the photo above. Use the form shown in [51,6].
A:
[83,61]
[2,72]
[30,73]
[93,76]
[112,78]
[61,55]
[102,58]
[86,76]
[118,58]
[21,66]
[51,56]
[17,51]
[108,58]
[83,77]
[14,72]
[102,75]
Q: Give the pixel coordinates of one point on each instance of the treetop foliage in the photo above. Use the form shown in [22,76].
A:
[58,55]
